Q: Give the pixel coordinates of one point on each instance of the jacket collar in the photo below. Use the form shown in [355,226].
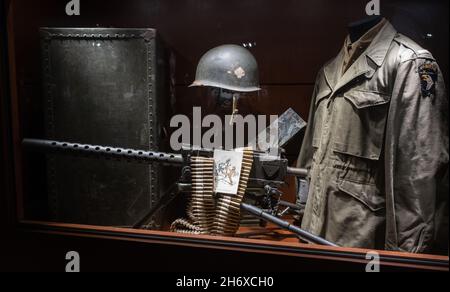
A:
[365,65]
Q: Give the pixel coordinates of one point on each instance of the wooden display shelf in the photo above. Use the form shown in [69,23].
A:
[261,246]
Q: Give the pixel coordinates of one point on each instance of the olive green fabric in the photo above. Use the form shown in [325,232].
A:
[377,148]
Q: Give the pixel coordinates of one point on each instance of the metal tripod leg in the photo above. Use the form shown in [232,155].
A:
[285,225]
[165,200]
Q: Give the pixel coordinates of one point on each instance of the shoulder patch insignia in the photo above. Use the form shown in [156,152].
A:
[428,77]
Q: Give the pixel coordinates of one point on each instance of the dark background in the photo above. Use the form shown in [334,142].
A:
[293,40]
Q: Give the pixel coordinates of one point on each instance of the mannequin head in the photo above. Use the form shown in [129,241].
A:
[358,28]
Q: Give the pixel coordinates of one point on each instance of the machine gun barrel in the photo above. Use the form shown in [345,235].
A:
[86,150]
[141,156]
[131,155]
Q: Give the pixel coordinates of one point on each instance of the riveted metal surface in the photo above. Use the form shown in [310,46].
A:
[101,87]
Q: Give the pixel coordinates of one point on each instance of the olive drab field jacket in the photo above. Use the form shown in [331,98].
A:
[377,147]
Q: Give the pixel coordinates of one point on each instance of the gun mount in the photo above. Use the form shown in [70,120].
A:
[266,174]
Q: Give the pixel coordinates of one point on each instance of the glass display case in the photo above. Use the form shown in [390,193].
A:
[313,133]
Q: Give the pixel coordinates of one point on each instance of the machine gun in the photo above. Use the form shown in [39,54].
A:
[264,175]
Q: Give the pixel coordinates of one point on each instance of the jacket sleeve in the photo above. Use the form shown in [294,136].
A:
[416,154]
[306,152]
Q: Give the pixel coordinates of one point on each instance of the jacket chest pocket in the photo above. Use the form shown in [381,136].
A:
[359,123]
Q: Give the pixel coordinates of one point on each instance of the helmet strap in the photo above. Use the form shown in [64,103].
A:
[235,110]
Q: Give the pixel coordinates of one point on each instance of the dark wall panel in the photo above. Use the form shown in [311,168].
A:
[293,38]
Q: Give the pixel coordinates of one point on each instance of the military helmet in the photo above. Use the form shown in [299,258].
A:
[229,67]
